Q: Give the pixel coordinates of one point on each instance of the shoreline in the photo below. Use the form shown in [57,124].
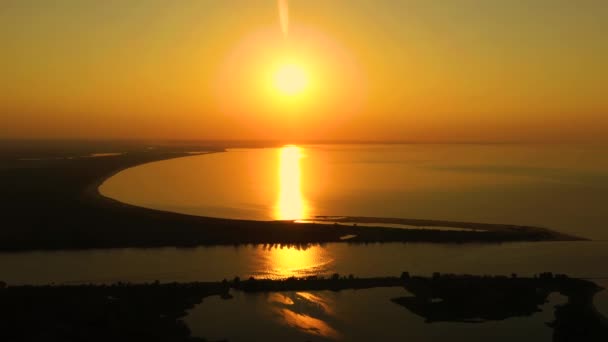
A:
[94,192]
[439,298]
[63,208]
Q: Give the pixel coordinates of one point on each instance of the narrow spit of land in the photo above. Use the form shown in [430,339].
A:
[155,312]
[50,200]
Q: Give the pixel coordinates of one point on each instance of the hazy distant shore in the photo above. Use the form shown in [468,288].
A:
[53,202]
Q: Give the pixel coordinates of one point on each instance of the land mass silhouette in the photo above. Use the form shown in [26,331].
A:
[51,201]
[155,311]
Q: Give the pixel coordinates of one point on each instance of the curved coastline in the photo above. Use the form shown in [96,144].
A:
[80,217]
[94,189]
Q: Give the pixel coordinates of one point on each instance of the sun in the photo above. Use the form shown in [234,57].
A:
[291,79]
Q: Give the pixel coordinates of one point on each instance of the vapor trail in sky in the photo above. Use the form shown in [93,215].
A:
[284,16]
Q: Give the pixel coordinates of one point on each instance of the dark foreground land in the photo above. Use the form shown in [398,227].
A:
[154,312]
[49,200]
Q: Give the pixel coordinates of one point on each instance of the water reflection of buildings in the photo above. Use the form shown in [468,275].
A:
[291,204]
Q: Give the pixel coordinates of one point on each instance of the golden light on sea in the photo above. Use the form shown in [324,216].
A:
[287,262]
[281,262]
[291,204]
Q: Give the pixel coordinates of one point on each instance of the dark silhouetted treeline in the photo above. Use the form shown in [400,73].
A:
[155,311]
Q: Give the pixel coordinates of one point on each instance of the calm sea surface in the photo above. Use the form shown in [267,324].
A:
[559,187]
[361,315]
[563,188]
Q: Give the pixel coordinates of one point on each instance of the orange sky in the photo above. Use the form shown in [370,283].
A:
[460,70]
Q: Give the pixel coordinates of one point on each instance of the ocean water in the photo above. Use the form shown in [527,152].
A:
[555,186]
[560,187]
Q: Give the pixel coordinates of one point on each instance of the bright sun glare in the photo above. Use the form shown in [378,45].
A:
[291,79]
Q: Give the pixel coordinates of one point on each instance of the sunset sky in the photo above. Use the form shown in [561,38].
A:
[460,70]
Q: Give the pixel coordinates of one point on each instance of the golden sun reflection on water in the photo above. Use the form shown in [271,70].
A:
[291,204]
[285,262]
[308,312]
[323,303]
[308,324]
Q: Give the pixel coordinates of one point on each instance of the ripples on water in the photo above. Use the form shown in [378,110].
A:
[280,262]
